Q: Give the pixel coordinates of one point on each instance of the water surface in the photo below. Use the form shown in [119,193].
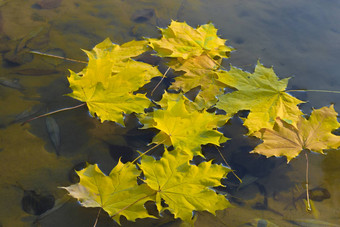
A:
[301,39]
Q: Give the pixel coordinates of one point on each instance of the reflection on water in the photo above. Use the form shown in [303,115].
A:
[300,38]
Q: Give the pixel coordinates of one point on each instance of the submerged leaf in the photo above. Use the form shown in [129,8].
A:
[262,93]
[183,128]
[312,223]
[314,134]
[108,83]
[118,194]
[184,188]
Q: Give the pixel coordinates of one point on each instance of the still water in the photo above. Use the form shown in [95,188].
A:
[300,38]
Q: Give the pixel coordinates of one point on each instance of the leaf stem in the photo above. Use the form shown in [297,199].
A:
[95,223]
[324,91]
[147,151]
[53,112]
[228,164]
[55,56]
[307,184]
[160,81]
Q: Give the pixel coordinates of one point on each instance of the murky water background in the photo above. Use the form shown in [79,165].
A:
[299,38]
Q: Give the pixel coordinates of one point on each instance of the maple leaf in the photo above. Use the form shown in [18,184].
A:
[108,83]
[184,187]
[118,52]
[313,134]
[118,194]
[184,128]
[199,71]
[194,51]
[262,93]
[179,40]
[112,57]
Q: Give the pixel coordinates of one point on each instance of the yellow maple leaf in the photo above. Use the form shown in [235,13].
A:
[197,52]
[184,127]
[118,193]
[199,72]
[179,40]
[262,93]
[183,187]
[108,83]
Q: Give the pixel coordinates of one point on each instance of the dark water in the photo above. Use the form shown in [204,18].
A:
[301,39]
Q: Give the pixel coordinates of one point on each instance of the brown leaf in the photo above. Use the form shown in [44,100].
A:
[314,134]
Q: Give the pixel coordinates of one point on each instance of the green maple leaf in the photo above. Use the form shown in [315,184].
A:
[185,188]
[108,83]
[179,40]
[118,194]
[183,127]
[262,93]
[313,134]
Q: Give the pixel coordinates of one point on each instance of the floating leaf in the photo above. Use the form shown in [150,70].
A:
[262,93]
[183,128]
[179,40]
[199,72]
[194,51]
[313,134]
[184,188]
[117,52]
[108,83]
[118,194]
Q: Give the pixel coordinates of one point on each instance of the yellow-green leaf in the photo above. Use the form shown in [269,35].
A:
[184,187]
[314,134]
[184,128]
[118,194]
[179,40]
[262,93]
[108,83]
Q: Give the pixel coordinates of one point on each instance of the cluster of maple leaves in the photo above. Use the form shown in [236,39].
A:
[109,83]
